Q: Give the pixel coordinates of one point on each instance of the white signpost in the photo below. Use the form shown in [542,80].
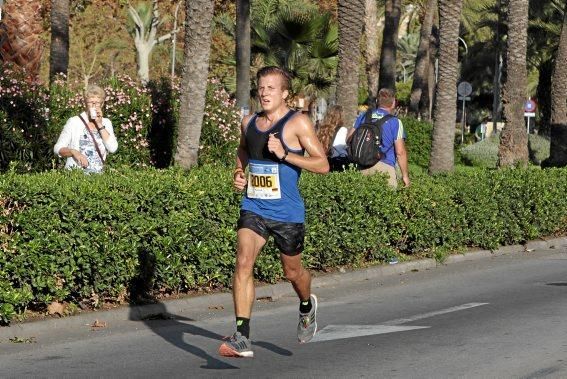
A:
[529,111]
[464,89]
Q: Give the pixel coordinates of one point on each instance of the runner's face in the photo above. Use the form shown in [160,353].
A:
[271,93]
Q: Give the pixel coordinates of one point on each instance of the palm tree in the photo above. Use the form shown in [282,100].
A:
[59,55]
[351,15]
[422,59]
[23,27]
[198,32]
[242,53]
[513,149]
[143,24]
[372,50]
[305,43]
[558,149]
[387,77]
[442,149]
[544,32]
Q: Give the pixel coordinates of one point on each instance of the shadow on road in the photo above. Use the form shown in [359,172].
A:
[172,328]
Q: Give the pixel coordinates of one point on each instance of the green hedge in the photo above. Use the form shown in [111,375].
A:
[419,135]
[83,239]
[485,153]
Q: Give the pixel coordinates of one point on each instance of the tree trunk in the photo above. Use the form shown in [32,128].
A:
[23,45]
[442,149]
[59,54]
[513,149]
[242,53]
[419,85]
[350,17]
[558,150]
[372,51]
[389,44]
[198,31]
[143,51]
[145,38]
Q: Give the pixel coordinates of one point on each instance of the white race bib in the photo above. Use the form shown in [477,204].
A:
[264,181]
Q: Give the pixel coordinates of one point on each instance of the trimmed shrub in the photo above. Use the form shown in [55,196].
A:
[419,136]
[485,153]
[76,238]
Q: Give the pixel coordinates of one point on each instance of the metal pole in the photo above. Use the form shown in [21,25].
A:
[463,123]
[528,129]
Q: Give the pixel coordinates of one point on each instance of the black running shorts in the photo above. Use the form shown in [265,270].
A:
[288,236]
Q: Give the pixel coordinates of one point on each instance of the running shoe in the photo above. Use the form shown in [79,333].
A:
[307,326]
[236,346]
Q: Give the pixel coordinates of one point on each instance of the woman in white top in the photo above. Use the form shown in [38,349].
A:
[333,136]
[87,138]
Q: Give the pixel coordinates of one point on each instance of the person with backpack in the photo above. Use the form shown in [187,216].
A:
[332,135]
[377,141]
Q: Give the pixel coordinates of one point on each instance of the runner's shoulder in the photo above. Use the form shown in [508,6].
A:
[300,121]
[246,120]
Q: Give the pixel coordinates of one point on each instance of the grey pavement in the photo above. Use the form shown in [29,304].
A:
[480,314]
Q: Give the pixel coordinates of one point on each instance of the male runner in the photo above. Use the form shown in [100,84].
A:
[272,145]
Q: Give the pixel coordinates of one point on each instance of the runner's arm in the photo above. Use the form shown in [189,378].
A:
[239,177]
[316,161]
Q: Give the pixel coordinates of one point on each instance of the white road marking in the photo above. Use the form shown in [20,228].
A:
[431,314]
[336,332]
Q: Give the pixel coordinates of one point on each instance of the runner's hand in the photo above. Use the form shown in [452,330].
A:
[275,146]
[239,181]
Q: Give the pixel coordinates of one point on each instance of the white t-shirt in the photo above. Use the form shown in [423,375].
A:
[75,136]
[339,148]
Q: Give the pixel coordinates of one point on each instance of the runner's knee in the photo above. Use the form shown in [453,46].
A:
[293,273]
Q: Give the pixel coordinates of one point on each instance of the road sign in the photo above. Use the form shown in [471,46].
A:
[464,89]
[467,98]
[530,106]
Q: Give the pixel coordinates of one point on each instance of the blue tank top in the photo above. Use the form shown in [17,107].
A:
[272,190]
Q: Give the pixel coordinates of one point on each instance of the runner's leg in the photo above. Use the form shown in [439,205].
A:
[249,246]
[299,277]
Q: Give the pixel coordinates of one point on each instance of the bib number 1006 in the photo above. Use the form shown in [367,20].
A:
[262,181]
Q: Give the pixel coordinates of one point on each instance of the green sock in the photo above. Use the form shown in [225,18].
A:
[243,326]
[305,306]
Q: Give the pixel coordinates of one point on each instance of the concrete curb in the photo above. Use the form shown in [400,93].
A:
[274,291]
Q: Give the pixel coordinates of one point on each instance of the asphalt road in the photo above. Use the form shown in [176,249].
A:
[497,317]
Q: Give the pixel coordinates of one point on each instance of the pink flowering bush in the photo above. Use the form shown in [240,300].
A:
[221,127]
[144,121]
[129,107]
[24,135]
